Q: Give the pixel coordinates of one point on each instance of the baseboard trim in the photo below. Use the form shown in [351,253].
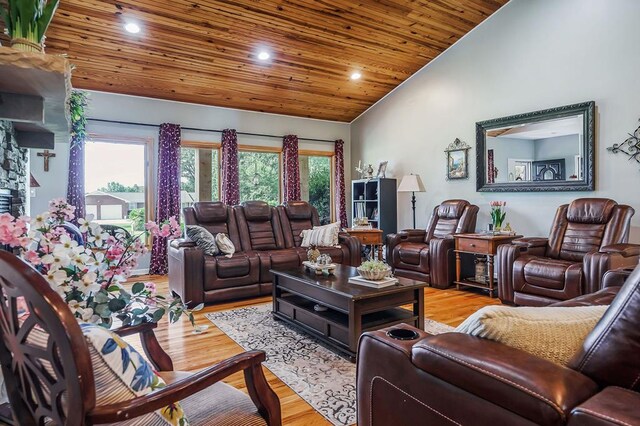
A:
[136,272]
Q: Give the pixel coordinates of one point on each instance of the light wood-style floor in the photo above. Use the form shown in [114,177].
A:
[194,352]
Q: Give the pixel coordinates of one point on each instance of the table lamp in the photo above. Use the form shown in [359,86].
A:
[412,183]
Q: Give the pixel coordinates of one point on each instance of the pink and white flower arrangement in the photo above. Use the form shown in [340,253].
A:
[90,276]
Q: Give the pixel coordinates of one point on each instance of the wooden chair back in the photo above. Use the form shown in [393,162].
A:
[44,356]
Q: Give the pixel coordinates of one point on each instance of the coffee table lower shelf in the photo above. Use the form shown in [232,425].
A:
[332,326]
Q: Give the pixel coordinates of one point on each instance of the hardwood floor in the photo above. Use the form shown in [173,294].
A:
[193,352]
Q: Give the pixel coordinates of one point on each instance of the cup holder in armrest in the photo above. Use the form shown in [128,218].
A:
[402,334]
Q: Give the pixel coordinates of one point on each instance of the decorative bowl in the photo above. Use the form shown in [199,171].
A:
[374,275]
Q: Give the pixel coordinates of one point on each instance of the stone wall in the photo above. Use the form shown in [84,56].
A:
[13,167]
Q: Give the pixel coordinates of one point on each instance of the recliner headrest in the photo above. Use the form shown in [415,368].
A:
[452,209]
[298,210]
[256,210]
[210,211]
[591,210]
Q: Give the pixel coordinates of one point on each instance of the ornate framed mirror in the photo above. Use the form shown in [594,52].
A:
[548,150]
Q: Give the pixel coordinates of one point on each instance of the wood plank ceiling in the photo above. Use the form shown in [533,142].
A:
[205,51]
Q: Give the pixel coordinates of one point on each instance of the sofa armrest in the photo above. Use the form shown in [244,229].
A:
[531,242]
[616,277]
[441,262]
[505,258]
[186,271]
[182,242]
[413,235]
[626,250]
[612,406]
[410,235]
[353,244]
[531,387]
[614,256]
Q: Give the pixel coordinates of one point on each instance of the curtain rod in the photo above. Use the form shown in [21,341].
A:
[205,130]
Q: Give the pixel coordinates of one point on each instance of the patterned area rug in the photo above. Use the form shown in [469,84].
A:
[321,377]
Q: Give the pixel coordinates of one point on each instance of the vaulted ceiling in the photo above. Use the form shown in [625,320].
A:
[205,51]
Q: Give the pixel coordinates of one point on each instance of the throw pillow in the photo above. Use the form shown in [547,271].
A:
[225,245]
[321,236]
[203,239]
[121,373]
[553,333]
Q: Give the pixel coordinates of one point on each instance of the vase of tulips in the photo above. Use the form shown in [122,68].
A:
[498,214]
[88,267]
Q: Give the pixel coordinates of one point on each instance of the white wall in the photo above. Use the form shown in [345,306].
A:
[530,55]
[145,110]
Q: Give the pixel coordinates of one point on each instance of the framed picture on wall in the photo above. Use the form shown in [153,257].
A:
[457,160]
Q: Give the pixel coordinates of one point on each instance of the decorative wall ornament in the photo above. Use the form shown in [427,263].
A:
[630,147]
[457,160]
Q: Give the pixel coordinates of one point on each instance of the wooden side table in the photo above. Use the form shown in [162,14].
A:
[482,245]
[369,237]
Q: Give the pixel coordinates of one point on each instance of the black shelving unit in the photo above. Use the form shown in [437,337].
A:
[376,195]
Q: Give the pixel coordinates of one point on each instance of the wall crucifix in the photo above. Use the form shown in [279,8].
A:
[46,155]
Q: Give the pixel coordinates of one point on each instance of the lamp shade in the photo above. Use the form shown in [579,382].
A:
[411,183]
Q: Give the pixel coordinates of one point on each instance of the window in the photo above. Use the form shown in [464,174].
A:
[316,183]
[259,175]
[117,195]
[199,173]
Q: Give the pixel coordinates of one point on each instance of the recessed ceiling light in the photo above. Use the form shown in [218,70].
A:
[356,76]
[132,28]
[263,56]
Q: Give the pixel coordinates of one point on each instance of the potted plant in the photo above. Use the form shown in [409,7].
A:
[26,22]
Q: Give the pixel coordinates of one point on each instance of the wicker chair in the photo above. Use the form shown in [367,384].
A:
[65,393]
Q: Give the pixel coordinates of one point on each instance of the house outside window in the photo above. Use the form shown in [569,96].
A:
[118,195]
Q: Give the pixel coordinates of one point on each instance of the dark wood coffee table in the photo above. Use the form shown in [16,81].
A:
[352,309]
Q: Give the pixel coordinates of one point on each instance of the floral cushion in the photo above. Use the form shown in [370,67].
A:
[121,373]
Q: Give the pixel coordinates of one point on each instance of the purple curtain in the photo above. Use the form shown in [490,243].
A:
[290,169]
[341,203]
[229,177]
[168,200]
[75,182]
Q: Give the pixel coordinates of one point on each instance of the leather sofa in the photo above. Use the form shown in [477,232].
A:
[457,379]
[427,255]
[262,243]
[588,237]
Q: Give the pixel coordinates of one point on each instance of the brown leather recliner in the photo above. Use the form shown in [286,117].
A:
[427,255]
[458,379]
[588,237]
[256,231]
[296,216]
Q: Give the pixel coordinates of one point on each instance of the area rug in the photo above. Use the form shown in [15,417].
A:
[324,379]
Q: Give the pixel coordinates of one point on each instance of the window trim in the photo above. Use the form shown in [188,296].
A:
[332,177]
[149,159]
[214,146]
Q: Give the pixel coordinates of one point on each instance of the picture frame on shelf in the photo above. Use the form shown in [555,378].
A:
[382,169]
[457,154]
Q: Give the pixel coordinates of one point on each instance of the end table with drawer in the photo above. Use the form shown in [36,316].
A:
[369,237]
[485,245]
